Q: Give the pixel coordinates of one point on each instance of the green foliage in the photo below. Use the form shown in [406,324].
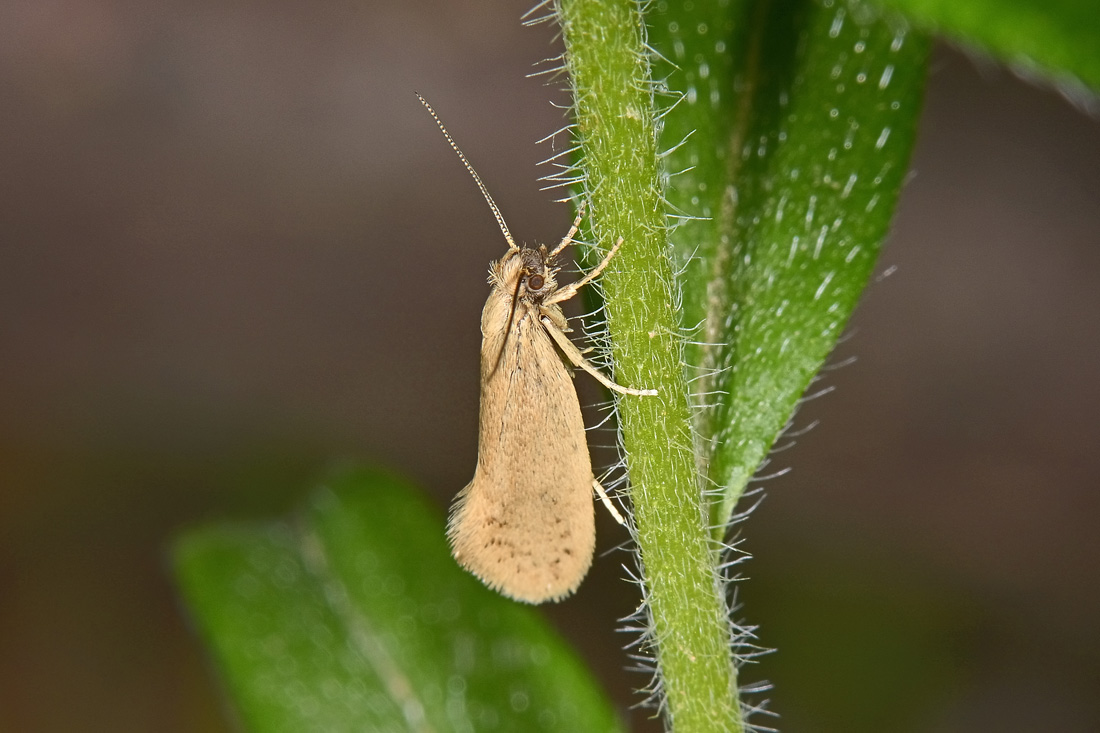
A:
[1055,39]
[792,124]
[354,617]
[798,119]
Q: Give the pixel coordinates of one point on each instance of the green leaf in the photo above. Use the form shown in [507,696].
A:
[355,617]
[1052,38]
[797,122]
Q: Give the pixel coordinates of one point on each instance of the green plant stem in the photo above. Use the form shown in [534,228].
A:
[615,120]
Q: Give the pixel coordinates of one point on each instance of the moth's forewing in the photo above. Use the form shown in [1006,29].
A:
[525,524]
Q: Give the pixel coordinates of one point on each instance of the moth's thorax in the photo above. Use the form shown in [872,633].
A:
[525,273]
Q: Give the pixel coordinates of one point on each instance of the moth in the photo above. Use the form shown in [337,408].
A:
[525,525]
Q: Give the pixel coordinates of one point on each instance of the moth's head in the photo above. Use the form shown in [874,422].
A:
[527,272]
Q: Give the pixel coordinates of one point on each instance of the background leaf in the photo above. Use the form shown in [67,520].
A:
[355,617]
[1057,39]
[796,123]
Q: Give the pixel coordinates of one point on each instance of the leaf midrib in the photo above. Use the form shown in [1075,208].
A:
[365,641]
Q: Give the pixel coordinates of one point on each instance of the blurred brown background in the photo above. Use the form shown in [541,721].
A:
[233,247]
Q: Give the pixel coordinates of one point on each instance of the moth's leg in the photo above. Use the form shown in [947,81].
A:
[574,355]
[570,290]
[607,501]
[568,238]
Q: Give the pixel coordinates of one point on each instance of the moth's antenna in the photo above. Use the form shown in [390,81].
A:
[477,178]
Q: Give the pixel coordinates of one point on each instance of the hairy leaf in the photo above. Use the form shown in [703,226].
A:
[796,121]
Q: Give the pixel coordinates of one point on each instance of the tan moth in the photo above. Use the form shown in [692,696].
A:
[525,524]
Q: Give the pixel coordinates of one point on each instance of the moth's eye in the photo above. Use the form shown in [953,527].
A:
[535,282]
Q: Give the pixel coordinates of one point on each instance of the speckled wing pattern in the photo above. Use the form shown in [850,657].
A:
[525,524]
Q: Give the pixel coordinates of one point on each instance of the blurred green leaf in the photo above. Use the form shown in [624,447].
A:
[794,132]
[355,617]
[1057,39]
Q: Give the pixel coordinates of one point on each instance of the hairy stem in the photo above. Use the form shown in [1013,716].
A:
[615,120]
